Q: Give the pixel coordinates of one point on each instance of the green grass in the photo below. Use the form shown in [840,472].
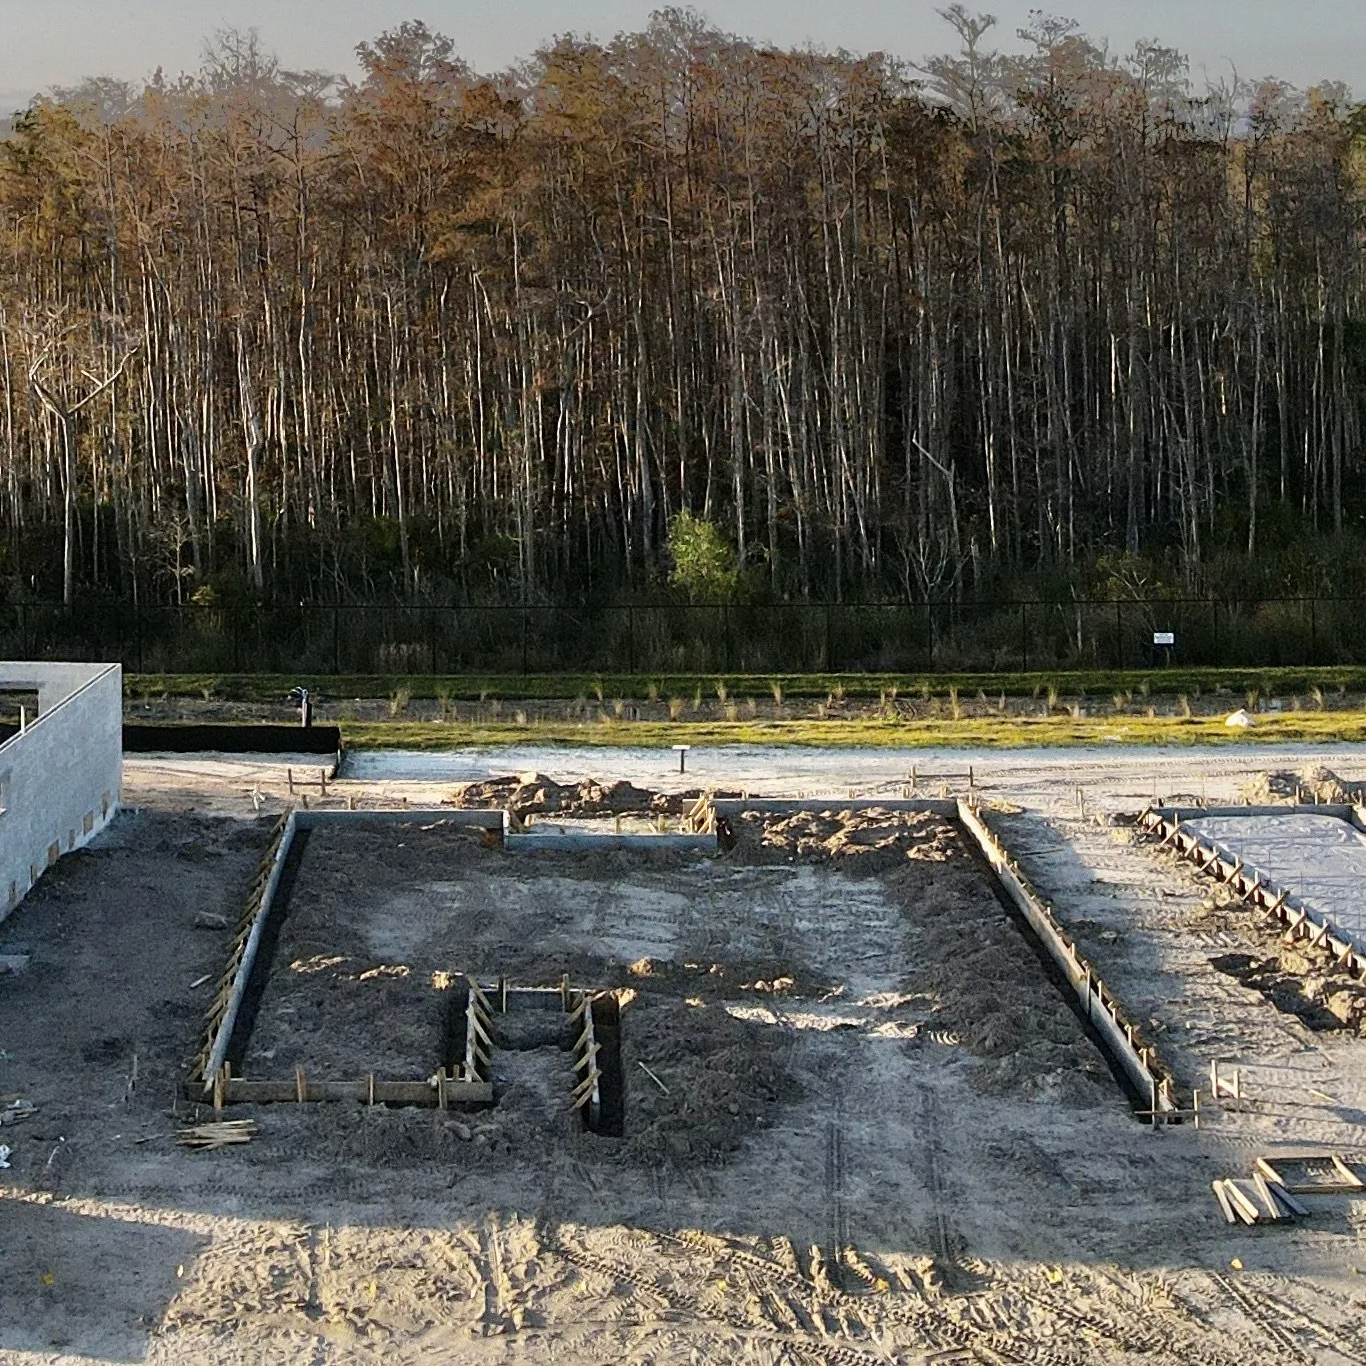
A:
[969,732]
[261,688]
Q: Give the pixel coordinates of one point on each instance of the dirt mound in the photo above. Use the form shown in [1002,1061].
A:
[725,1078]
[991,997]
[1312,784]
[1312,989]
[872,840]
[534,793]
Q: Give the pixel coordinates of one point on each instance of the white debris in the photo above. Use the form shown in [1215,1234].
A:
[1241,719]
[5,1154]
[17,1110]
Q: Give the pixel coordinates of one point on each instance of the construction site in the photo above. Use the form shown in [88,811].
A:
[763,1057]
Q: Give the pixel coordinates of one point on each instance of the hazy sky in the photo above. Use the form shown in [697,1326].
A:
[58,42]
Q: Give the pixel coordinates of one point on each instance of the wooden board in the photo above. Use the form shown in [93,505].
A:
[1242,1202]
[1221,1196]
[1273,1210]
[1283,1196]
[1279,1169]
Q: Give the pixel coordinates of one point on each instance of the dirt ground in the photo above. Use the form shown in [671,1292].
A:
[877,1133]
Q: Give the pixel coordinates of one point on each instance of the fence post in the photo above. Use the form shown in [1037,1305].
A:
[1024,637]
[829,641]
[1119,635]
[1313,630]
[630,640]
[725,628]
[525,611]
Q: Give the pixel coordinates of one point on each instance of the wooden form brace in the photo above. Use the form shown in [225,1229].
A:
[222,1014]
[478,1036]
[587,1090]
[1167,825]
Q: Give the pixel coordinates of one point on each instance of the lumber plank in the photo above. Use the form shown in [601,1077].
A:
[1292,1205]
[1348,1175]
[1222,1198]
[1241,1201]
[1264,1194]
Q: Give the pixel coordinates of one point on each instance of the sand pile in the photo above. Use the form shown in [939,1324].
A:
[1312,784]
[1302,982]
[726,1077]
[534,793]
[872,840]
[991,995]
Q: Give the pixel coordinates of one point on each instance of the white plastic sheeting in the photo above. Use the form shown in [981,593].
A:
[1319,859]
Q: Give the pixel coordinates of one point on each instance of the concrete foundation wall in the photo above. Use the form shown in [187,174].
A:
[60,779]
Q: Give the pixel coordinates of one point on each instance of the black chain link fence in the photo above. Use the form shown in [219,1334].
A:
[896,637]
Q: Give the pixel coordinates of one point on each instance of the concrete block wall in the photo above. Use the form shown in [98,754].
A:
[61,778]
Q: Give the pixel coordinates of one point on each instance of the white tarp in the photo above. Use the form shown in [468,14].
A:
[1319,859]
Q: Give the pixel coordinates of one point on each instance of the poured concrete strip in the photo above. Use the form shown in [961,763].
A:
[777,806]
[1167,823]
[1099,1006]
[228,1020]
[370,1091]
[564,842]
[477,818]
[1191,813]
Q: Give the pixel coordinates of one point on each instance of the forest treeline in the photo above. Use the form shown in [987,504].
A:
[1063,318]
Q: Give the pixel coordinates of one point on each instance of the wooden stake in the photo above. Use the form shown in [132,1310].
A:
[652,1077]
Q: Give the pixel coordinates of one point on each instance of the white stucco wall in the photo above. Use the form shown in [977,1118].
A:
[60,779]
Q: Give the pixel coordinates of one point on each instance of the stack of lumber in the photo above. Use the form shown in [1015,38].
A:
[219,1134]
[1271,1193]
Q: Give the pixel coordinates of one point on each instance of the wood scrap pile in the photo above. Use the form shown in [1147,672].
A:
[1271,1193]
[700,818]
[218,1134]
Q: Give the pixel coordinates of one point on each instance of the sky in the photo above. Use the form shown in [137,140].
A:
[59,42]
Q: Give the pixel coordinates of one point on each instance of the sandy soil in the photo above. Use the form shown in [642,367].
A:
[884,1137]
